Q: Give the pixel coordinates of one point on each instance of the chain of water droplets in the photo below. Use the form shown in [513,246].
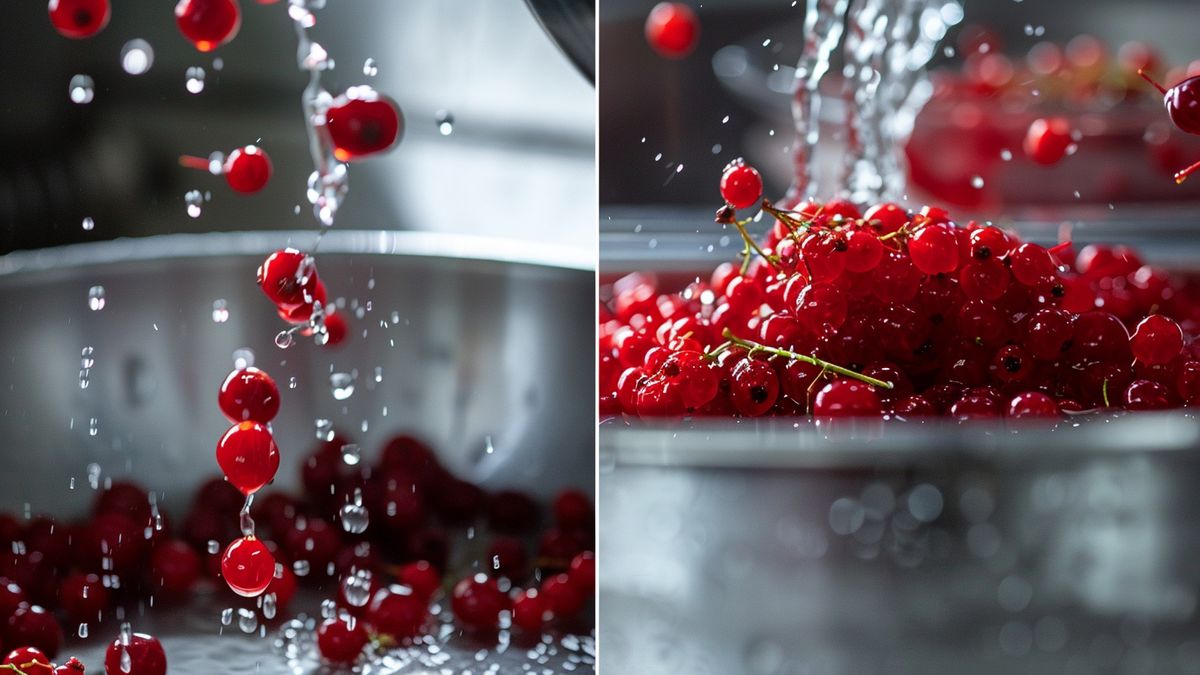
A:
[885,53]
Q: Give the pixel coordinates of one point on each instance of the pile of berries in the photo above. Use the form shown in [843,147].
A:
[842,312]
[129,654]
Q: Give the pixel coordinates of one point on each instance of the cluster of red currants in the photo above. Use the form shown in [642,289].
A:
[82,570]
[289,280]
[841,313]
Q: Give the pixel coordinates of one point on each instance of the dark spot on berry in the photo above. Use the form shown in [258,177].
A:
[1058,291]
[983,253]
[83,18]
[1012,364]
[758,393]
[670,369]
[1067,345]
[925,348]
[936,319]
[840,245]
[1008,262]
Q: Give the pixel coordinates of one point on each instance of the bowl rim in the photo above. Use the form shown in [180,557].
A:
[467,247]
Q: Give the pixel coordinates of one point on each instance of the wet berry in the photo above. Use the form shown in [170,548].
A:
[934,249]
[562,598]
[33,626]
[79,19]
[247,566]
[247,169]
[143,655]
[398,613]
[283,280]
[477,602]
[1047,140]
[208,24]
[249,394]
[248,456]
[741,185]
[754,387]
[30,660]
[672,29]
[529,611]
[363,122]
[1033,404]
[1156,340]
[341,640]
[1146,395]
[847,398]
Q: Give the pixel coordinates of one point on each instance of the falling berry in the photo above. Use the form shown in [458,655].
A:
[78,19]
[248,456]
[1182,102]
[248,566]
[141,655]
[335,328]
[249,394]
[741,184]
[280,277]
[672,29]
[363,122]
[247,169]
[208,24]
[1048,139]
[529,611]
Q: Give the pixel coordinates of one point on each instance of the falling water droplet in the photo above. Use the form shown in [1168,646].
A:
[93,426]
[247,620]
[356,588]
[137,56]
[93,473]
[216,163]
[195,80]
[269,606]
[370,68]
[977,182]
[82,631]
[301,568]
[355,518]
[351,454]
[96,298]
[1006,155]
[220,311]
[243,358]
[89,224]
[195,202]
[324,429]
[292,382]
[82,89]
[284,339]
[445,122]
[341,385]
[488,448]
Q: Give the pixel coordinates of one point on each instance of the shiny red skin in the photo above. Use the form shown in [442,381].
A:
[146,656]
[208,24]
[672,29]
[79,19]
[247,566]
[248,455]
[249,394]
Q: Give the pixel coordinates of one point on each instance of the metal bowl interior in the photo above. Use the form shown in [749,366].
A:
[470,344]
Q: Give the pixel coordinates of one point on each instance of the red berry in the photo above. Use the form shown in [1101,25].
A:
[1012,364]
[341,640]
[887,217]
[1047,140]
[1032,265]
[1187,385]
[398,613]
[573,510]
[583,571]
[335,328]
[984,279]
[506,557]
[1182,102]
[1156,340]
[863,251]
[247,566]
[1146,395]
[754,387]
[174,568]
[1049,332]
[989,242]
[1033,404]
[248,456]
[280,279]
[914,406]
[741,185]
[79,18]
[477,602]
[73,666]
[824,256]
[33,626]
[208,24]
[934,249]
[562,598]
[249,394]
[145,656]
[83,597]
[30,660]
[314,541]
[282,586]
[529,611]
[847,398]
[423,578]
[363,122]
[11,597]
[895,279]
[247,169]
[974,407]
[672,29]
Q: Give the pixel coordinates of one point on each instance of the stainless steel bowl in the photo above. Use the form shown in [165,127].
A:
[776,546]
[472,344]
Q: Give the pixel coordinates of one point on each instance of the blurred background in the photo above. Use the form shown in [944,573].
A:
[731,97]
[482,88]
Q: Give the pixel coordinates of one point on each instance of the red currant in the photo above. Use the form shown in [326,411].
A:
[249,394]
[1047,140]
[741,184]
[573,510]
[143,655]
[280,278]
[974,407]
[754,387]
[208,24]
[247,169]
[847,398]
[914,406]
[363,122]
[934,249]
[83,597]
[1032,265]
[821,306]
[477,602]
[984,279]
[1182,102]
[421,577]
[248,456]
[248,566]
[562,598]
[1012,364]
[824,256]
[529,611]
[341,640]
[73,666]
[863,251]
[672,29]
[33,626]
[174,568]
[398,613]
[1156,340]
[79,18]
[583,571]
[506,557]
[29,660]
[887,217]
[335,328]
[1033,404]
[1187,385]
[1146,395]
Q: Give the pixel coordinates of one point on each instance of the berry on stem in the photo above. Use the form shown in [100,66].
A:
[249,394]
[247,566]
[741,184]
[247,169]
[248,456]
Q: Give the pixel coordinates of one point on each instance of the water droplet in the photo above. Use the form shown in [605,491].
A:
[370,68]
[445,122]
[1006,155]
[216,163]
[925,503]
[137,56]
[488,447]
[226,616]
[82,631]
[243,358]
[284,339]
[93,473]
[96,298]
[292,382]
[351,454]
[214,547]
[220,311]
[977,182]
[341,385]
[247,620]
[89,224]
[324,429]
[269,606]
[195,202]
[82,89]
[356,588]
[195,80]
[316,58]
[93,426]
[355,518]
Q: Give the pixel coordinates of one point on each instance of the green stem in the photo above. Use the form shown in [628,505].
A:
[820,363]
[1104,393]
[741,228]
[712,356]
